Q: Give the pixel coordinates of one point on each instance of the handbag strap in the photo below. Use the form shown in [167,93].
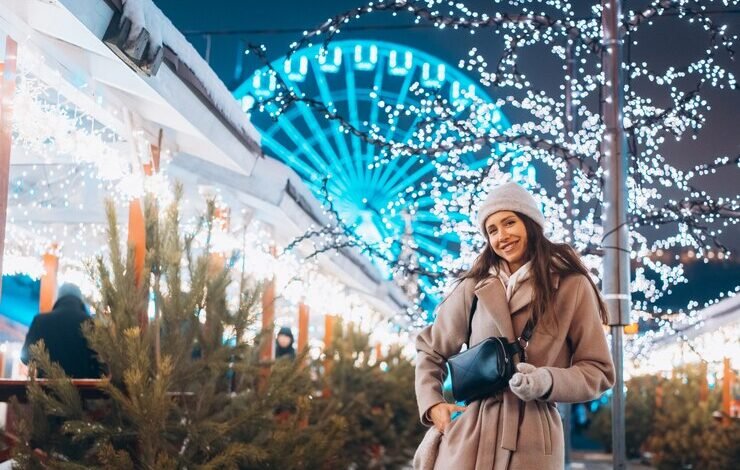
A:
[473,306]
[525,336]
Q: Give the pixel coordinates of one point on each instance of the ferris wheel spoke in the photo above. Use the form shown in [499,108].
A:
[337,134]
[302,146]
[374,109]
[426,217]
[424,202]
[288,156]
[408,161]
[409,179]
[400,100]
[353,117]
[430,246]
[432,232]
[330,155]
[337,174]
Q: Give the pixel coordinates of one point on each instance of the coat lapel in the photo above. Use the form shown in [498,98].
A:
[522,297]
[524,294]
[493,298]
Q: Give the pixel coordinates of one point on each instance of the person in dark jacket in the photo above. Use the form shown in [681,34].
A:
[284,344]
[61,330]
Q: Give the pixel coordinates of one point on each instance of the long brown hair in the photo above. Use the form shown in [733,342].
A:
[547,257]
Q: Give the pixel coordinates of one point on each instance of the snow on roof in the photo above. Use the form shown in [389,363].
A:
[144,14]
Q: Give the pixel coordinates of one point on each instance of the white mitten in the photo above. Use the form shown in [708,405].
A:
[531,382]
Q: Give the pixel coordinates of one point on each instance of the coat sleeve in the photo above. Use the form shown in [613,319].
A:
[591,372]
[436,343]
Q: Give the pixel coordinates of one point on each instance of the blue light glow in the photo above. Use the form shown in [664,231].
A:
[375,91]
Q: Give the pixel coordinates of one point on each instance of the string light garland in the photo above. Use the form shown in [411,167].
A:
[565,146]
[66,163]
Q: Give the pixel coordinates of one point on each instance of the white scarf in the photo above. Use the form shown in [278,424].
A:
[511,282]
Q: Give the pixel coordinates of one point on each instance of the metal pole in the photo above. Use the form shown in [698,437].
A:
[571,124]
[619,450]
[615,243]
[208,49]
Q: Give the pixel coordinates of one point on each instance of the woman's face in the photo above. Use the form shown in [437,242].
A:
[508,238]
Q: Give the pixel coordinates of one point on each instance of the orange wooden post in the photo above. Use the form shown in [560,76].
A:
[378,352]
[328,340]
[137,240]
[302,326]
[726,392]
[48,291]
[137,237]
[328,330]
[7,88]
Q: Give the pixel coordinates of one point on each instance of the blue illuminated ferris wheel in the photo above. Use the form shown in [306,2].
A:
[374,85]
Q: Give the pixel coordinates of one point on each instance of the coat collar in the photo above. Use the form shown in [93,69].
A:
[493,297]
[524,294]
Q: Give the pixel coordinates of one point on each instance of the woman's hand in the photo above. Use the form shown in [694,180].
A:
[440,414]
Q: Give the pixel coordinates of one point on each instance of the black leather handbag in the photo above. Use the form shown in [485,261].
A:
[485,369]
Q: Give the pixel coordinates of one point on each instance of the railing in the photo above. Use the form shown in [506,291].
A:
[88,388]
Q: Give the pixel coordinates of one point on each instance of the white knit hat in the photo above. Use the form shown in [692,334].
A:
[509,197]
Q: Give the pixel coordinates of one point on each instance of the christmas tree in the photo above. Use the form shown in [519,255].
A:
[375,397]
[670,419]
[185,389]
[638,417]
[685,435]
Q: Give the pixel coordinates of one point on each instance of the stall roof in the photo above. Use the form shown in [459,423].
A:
[712,318]
[297,210]
[184,98]
[213,139]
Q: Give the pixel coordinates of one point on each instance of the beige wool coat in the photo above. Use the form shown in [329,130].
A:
[503,432]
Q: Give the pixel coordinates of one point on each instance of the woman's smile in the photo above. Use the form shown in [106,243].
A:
[509,247]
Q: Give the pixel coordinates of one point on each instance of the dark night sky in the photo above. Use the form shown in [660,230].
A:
[668,42]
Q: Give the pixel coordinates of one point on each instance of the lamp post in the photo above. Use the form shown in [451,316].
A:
[615,242]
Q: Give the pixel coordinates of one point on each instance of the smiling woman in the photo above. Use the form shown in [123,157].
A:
[522,281]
